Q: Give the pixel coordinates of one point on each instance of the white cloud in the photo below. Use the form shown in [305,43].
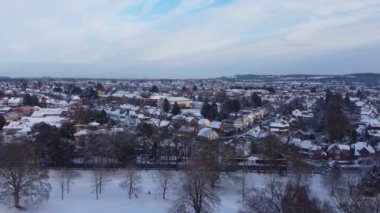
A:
[102,32]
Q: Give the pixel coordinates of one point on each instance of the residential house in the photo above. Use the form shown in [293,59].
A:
[362,149]
[339,151]
[15,101]
[208,133]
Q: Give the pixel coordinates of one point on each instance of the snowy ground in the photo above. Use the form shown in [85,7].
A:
[115,199]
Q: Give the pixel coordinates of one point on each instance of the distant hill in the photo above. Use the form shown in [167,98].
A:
[305,76]
[371,75]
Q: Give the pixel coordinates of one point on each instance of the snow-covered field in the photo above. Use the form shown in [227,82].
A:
[115,199]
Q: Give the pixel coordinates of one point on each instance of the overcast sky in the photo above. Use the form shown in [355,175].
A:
[187,38]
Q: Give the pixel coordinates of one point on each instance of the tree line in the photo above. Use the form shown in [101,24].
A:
[24,182]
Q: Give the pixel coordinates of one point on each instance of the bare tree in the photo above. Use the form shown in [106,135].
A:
[61,182]
[243,188]
[353,198]
[164,177]
[70,175]
[370,182]
[258,203]
[272,148]
[333,180]
[132,181]
[275,186]
[356,202]
[277,198]
[268,200]
[100,178]
[197,193]
[351,180]
[22,179]
[210,155]
[96,184]
[242,180]
[65,177]
[301,170]
[122,146]
[298,198]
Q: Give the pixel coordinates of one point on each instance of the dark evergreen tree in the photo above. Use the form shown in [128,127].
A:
[75,90]
[328,95]
[360,94]
[231,105]
[347,101]
[214,111]
[145,129]
[313,89]
[35,101]
[296,103]
[90,93]
[154,89]
[101,116]
[184,89]
[235,105]
[206,110]
[57,89]
[336,120]
[166,105]
[27,100]
[50,146]
[245,102]
[67,130]
[270,89]
[256,100]
[221,96]
[124,146]
[43,102]
[84,115]
[176,110]
[100,87]
[2,122]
